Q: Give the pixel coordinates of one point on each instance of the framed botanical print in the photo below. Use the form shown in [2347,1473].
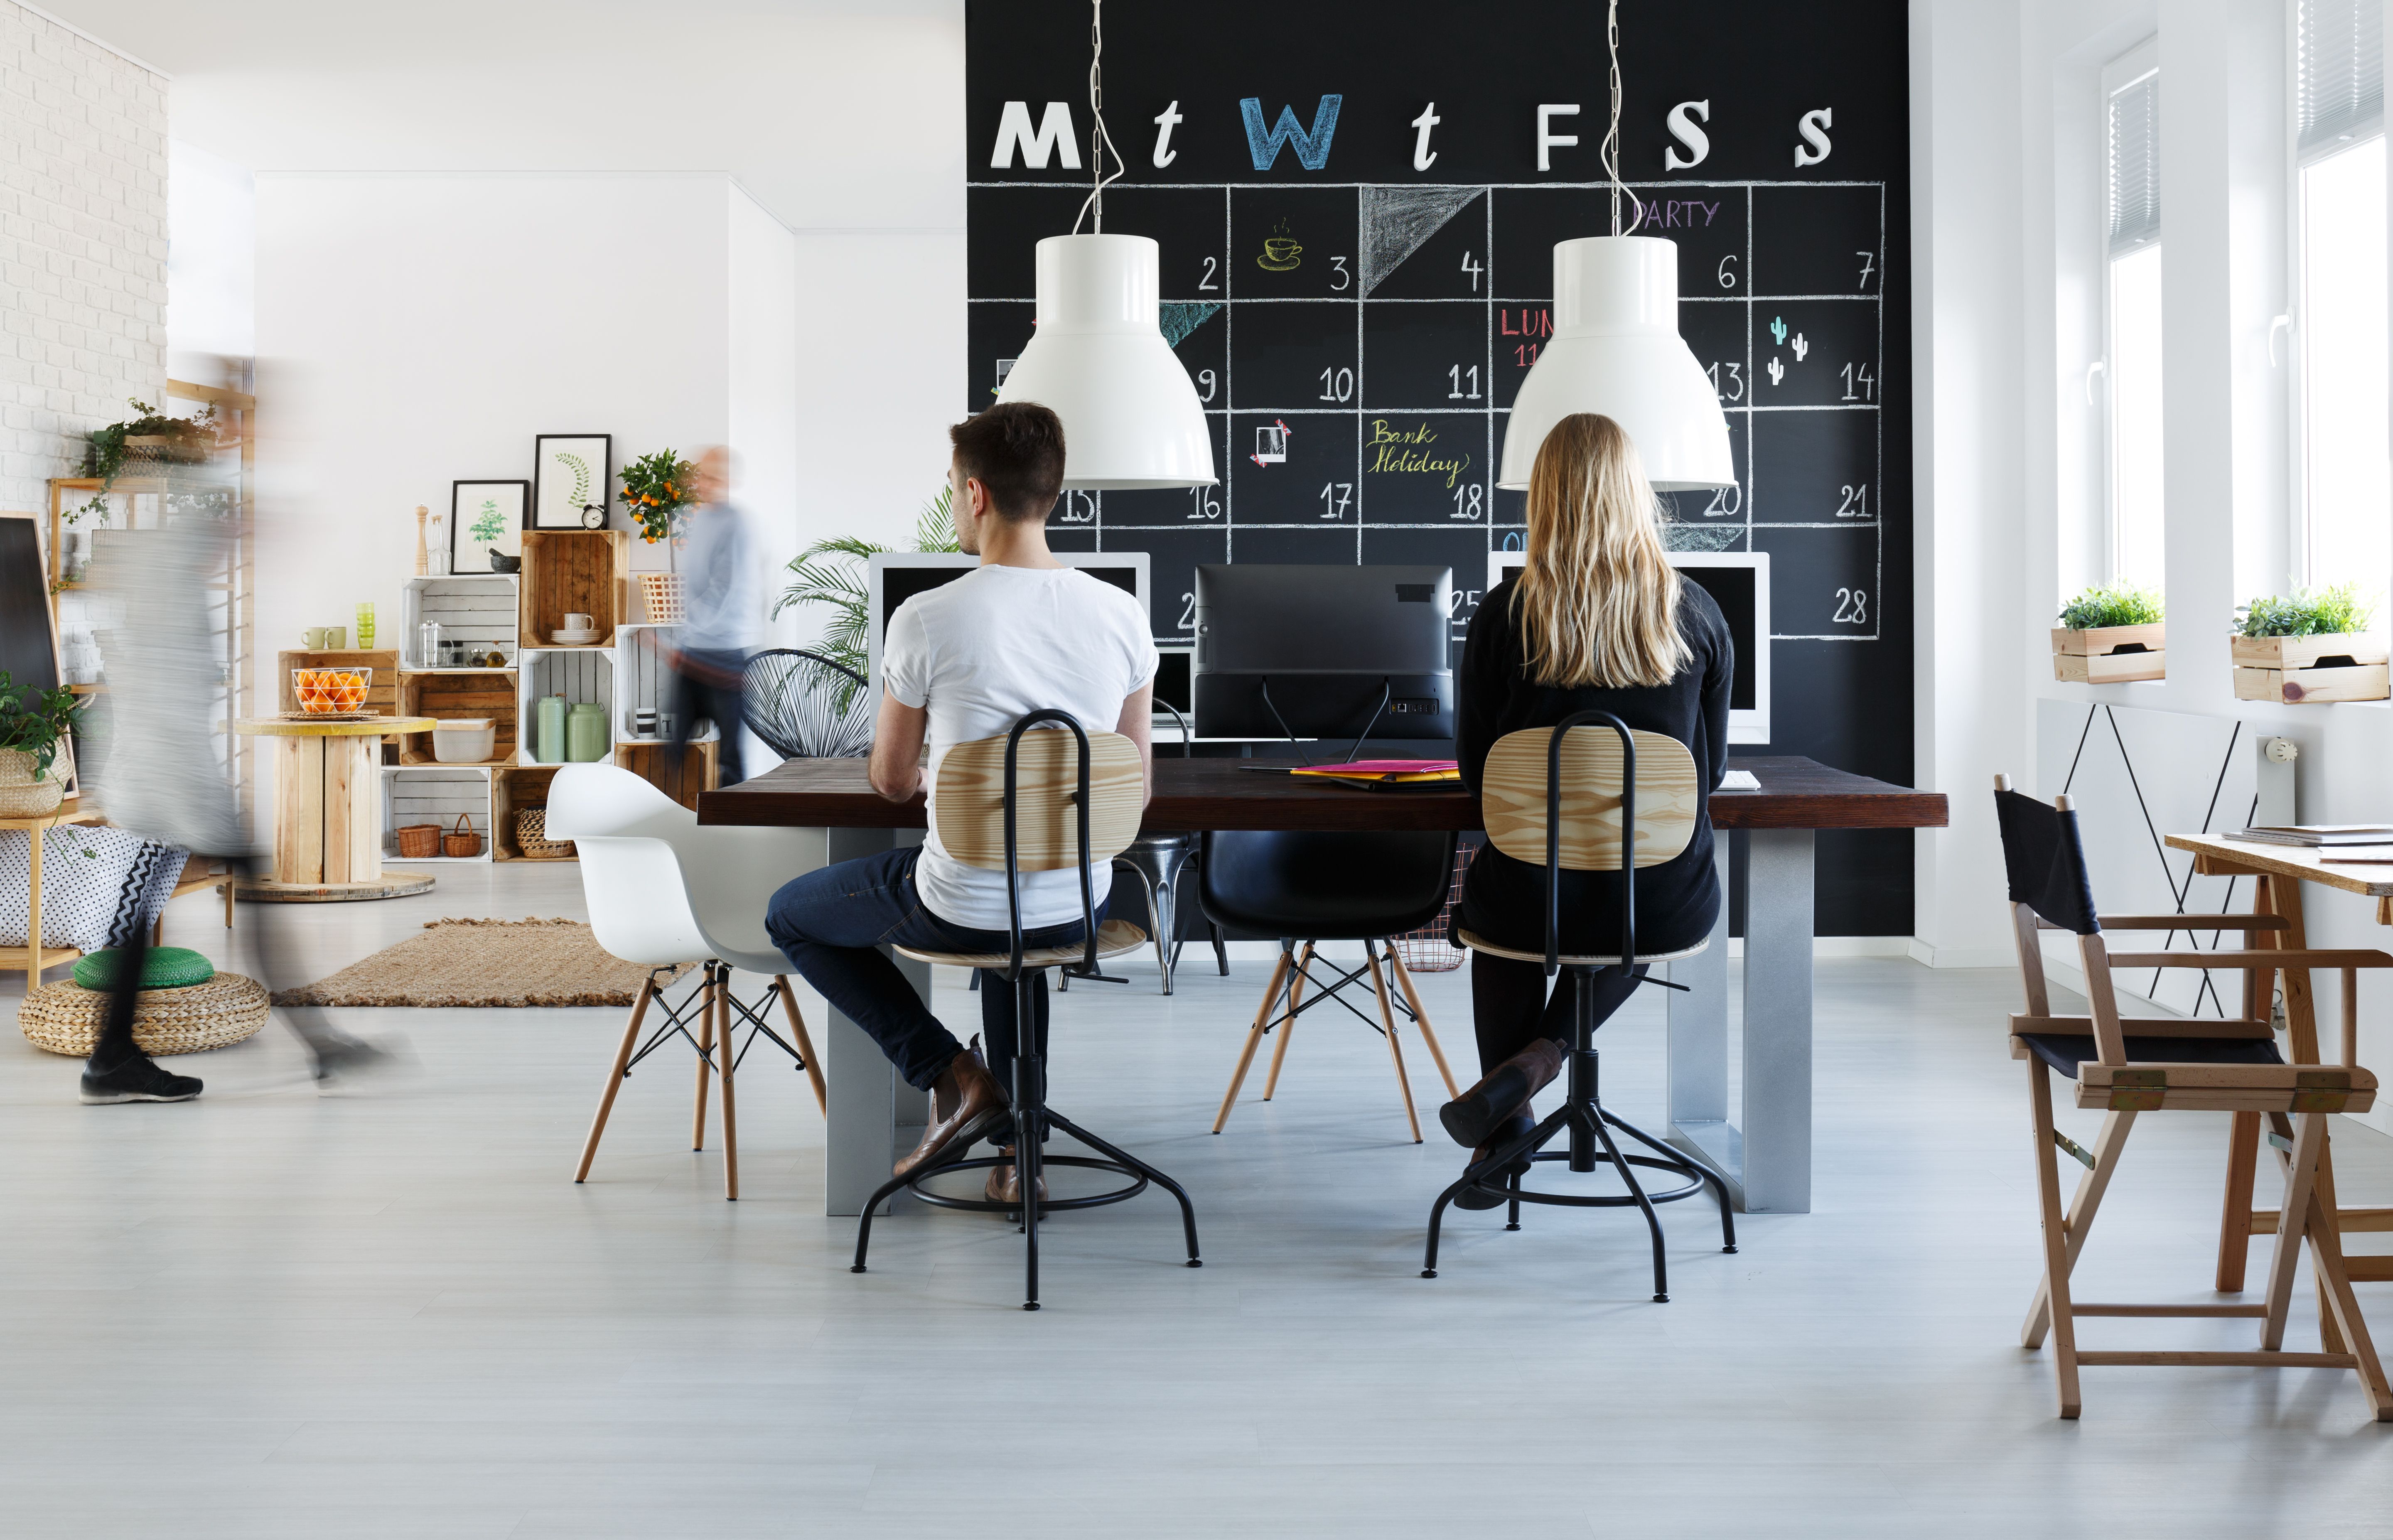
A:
[485,521]
[574,475]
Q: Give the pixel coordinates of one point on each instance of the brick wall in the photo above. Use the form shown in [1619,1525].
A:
[83,246]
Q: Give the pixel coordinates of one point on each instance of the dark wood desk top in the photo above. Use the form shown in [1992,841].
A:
[1217,793]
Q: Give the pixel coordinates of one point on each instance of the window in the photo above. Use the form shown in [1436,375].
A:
[2132,315]
[2340,313]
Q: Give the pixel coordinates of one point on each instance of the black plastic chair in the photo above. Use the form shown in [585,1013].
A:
[1307,886]
[792,699]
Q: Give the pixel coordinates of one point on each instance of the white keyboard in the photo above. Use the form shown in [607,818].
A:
[1739,780]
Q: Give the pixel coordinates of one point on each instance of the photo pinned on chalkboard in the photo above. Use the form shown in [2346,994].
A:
[573,474]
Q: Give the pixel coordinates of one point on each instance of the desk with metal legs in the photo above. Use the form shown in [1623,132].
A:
[1765,1156]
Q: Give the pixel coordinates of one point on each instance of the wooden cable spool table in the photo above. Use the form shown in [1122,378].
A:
[327,810]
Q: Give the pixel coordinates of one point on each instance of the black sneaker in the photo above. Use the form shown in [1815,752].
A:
[136,1079]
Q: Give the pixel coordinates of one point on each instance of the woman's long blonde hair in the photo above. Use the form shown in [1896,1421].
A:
[1598,603]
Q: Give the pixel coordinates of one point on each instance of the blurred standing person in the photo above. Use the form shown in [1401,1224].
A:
[724,600]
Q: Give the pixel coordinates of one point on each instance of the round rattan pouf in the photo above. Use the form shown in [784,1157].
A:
[65,1018]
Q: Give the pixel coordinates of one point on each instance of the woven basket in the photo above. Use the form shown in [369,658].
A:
[419,842]
[25,795]
[462,843]
[663,593]
[65,1018]
[532,837]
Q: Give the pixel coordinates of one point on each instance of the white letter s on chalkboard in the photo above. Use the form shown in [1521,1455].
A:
[1813,129]
[1682,127]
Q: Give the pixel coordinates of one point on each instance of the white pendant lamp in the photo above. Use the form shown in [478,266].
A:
[1616,350]
[1098,361]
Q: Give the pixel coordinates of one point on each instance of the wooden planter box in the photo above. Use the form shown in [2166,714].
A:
[2110,655]
[2297,671]
[468,692]
[574,571]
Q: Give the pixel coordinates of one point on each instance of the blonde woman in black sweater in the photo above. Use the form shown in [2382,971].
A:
[1598,621]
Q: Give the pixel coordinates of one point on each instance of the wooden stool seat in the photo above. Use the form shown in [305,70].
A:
[1113,938]
[1480,943]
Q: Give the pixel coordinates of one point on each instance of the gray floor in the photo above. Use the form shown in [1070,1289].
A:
[267,1313]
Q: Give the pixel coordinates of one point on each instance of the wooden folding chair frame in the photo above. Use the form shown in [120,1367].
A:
[2296,1098]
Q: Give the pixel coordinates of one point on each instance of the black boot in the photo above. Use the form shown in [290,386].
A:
[1513,1128]
[1472,1117]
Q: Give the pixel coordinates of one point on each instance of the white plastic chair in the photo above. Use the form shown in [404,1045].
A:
[665,893]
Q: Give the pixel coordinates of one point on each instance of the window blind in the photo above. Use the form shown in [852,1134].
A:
[2134,131]
[2339,86]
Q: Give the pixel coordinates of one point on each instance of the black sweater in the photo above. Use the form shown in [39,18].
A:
[1677,901]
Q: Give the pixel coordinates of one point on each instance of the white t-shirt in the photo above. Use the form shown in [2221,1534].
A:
[981,653]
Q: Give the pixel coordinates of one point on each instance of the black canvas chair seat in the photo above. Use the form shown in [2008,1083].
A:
[2064,1052]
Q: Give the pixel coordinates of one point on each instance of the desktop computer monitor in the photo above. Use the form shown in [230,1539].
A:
[1739,582]
[1323,652]
[894,577]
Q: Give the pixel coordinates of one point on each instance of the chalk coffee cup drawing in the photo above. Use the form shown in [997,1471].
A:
[1280,253]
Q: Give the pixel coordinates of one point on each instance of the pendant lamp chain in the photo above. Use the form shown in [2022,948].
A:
[1100,143]
[1611,151]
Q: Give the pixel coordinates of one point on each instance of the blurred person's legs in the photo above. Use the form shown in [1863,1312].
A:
[709,686]
[118,1070]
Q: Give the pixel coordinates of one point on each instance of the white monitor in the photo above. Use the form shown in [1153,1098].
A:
[1739,582]
[894,577]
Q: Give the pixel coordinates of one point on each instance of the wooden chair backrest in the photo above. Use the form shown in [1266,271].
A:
[970,800]
[1512,797]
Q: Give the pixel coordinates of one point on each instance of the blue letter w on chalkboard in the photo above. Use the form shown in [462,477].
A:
[1311,149]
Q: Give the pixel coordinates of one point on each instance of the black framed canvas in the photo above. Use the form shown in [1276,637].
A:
[486,518]
[573,476]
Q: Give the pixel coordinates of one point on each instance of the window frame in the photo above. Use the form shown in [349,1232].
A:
[2131,68]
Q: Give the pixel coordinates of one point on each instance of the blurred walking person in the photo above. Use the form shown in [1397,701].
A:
[724,600]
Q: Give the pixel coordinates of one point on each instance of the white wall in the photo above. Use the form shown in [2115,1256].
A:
[211,266]
[83,246]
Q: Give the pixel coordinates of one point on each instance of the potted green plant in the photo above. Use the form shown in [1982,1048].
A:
[150,438]
[35,757]
[659,489]
[2111,634]
[829,573]
[2309,648]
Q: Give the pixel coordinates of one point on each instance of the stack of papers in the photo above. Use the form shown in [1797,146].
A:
[1387,772]
[2317,835]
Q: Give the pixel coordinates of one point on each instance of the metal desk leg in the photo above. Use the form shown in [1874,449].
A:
[873,1116]
[1777,1121]
[1698,1060]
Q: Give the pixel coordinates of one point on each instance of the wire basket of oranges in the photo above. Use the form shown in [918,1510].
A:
[331,692]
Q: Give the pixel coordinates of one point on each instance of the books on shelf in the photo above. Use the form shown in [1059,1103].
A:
[2316,836]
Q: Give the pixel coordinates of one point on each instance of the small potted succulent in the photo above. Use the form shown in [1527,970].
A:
[2111,635]
[35,751]
[2308,649]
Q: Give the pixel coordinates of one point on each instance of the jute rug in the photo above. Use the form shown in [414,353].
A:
[483,962]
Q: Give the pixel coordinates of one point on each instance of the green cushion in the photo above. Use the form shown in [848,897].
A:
[162,968]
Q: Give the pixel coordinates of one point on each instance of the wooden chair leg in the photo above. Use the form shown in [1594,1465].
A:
[2080,1223]
[727,1045]
[1254,1039]
[227,891]
[2334,1281]
[1288,1027]
[2330,1336]
[2292,1220]
[1429,1034]
[2235,1214]
[1395,1050]
[615,1076]
[805,1044]
[2056,1241]
[705,1056]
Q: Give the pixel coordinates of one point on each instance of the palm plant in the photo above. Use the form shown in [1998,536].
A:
[830,572]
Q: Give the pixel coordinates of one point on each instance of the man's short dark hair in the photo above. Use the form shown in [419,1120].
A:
[1014,449]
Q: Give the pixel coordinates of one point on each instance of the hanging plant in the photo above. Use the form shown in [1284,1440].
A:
[659,489]
[150,438]
[830,572]
[35,721]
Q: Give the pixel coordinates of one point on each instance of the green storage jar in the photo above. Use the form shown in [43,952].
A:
[548,736]
[585,732]
[162,968]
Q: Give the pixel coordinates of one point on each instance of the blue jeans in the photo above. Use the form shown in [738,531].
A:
[829,923]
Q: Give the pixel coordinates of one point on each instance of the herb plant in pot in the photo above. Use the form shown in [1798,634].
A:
[35,757]
[2111,635]
[2309,649]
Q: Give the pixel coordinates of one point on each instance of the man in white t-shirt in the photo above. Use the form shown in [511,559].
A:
[1021,633]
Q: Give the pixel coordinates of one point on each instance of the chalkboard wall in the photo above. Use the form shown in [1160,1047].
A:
[1357,206]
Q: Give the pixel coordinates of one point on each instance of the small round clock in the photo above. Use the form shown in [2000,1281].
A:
[593,517]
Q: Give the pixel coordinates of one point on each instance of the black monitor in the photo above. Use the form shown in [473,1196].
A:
[1323,652]
[894,577]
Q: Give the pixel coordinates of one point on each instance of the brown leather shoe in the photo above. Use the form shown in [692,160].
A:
[1004,1184]
[1472,1118]
[1518,1126]
[964,1100]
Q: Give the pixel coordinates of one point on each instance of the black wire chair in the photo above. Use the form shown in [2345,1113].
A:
[793,702]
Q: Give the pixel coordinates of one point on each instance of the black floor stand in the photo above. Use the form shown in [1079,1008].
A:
[1582,1113]
[1032,1118]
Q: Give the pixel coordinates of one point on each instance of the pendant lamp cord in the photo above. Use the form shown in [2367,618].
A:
[1612,135]
[1100,143]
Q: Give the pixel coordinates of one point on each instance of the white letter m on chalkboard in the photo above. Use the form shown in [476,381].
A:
[1055,134]
[1311,149]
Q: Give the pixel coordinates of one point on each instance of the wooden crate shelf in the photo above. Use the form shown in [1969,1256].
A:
[512,790]
[474,692]
[574,571]
[382,690]
[682,778]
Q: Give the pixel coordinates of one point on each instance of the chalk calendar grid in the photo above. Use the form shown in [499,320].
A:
[1357,349]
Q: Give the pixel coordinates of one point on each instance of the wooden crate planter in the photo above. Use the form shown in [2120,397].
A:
[2110,655]
[2296,671]
[468,693]
[574,571]
[512,790]
[682,778]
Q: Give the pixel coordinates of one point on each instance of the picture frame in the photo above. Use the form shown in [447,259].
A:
[572,474]
[486,517]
